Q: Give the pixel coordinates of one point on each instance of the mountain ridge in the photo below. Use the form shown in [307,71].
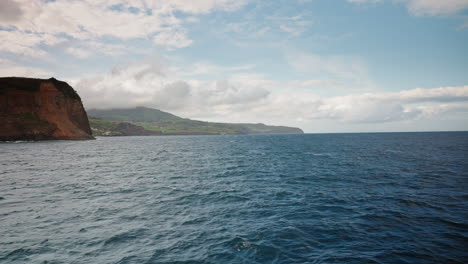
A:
[134,114]
[108,122]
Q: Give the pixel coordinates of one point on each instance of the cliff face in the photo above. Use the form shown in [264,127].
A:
[40,109]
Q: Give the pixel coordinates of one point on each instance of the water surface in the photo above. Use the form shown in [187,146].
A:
[331,198]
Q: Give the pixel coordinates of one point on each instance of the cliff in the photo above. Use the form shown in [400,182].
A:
[41,109]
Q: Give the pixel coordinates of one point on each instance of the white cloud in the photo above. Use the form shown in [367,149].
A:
[427,7]
[348,69]
[78,52]
[291,30]
[192,19]
[436,7]
[254,27]
[244,97]
[173,39]
[293,25]
[206,68]
[203,6]
[10,11]
[465,25]
[26,43]
[315,83]
[10,68]
[304,107]
[364,1]
[40,21]
[154,85]
[85,49]
[388,107]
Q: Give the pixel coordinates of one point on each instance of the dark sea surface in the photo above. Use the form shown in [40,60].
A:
[316,198]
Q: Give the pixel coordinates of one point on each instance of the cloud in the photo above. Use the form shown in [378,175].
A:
[364,1]
[173,39]
[348,69]
[314,83]
[304,107]
[155,85]
[249,97]
[259,24]
[10,11]
[295,26]
[389,107]
[203,6]
[427,7]
[206,68]
[436,7]
[78,52]
[10,68]
[40,21]
[86,49]
[26,44]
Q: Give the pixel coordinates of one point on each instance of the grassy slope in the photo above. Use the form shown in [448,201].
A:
[104,122]
[138,114]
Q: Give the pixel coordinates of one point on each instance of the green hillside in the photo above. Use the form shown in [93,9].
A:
[148,121]
[137,114]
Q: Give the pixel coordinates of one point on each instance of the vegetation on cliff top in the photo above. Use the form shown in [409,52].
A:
[28,112]
[137,114]
[33,84]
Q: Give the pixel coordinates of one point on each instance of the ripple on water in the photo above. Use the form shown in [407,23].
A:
[347,198]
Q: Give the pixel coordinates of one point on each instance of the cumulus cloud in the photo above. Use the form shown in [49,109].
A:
[173,39]
[427,7]
[295,25]
[345,69]
[364,1]
[86,49]
[245,97]
[155,85]
[207,68]
[202,6]
[40,21]
[387,107]
[78,52]
[436,7]
[315,83]
[10,68]
[25,43]
[10,11]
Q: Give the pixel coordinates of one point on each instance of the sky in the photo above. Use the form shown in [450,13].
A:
[321,65]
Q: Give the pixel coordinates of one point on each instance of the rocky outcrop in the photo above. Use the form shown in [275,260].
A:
[41,109]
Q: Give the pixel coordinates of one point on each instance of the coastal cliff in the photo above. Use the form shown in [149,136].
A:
[41,109]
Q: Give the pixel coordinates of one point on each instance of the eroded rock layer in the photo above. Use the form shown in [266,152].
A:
[41,109]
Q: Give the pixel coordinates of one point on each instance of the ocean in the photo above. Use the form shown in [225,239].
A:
[313,198]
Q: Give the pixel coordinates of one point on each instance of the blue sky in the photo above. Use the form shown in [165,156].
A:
[322,65]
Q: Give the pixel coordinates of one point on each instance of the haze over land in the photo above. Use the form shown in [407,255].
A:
[141,121]
[323,66]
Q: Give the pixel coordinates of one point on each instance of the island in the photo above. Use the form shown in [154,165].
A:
[49,109]
[143,121]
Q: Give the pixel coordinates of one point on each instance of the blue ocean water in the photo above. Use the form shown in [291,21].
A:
[314,198]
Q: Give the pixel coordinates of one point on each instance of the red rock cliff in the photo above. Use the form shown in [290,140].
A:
[40,109]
